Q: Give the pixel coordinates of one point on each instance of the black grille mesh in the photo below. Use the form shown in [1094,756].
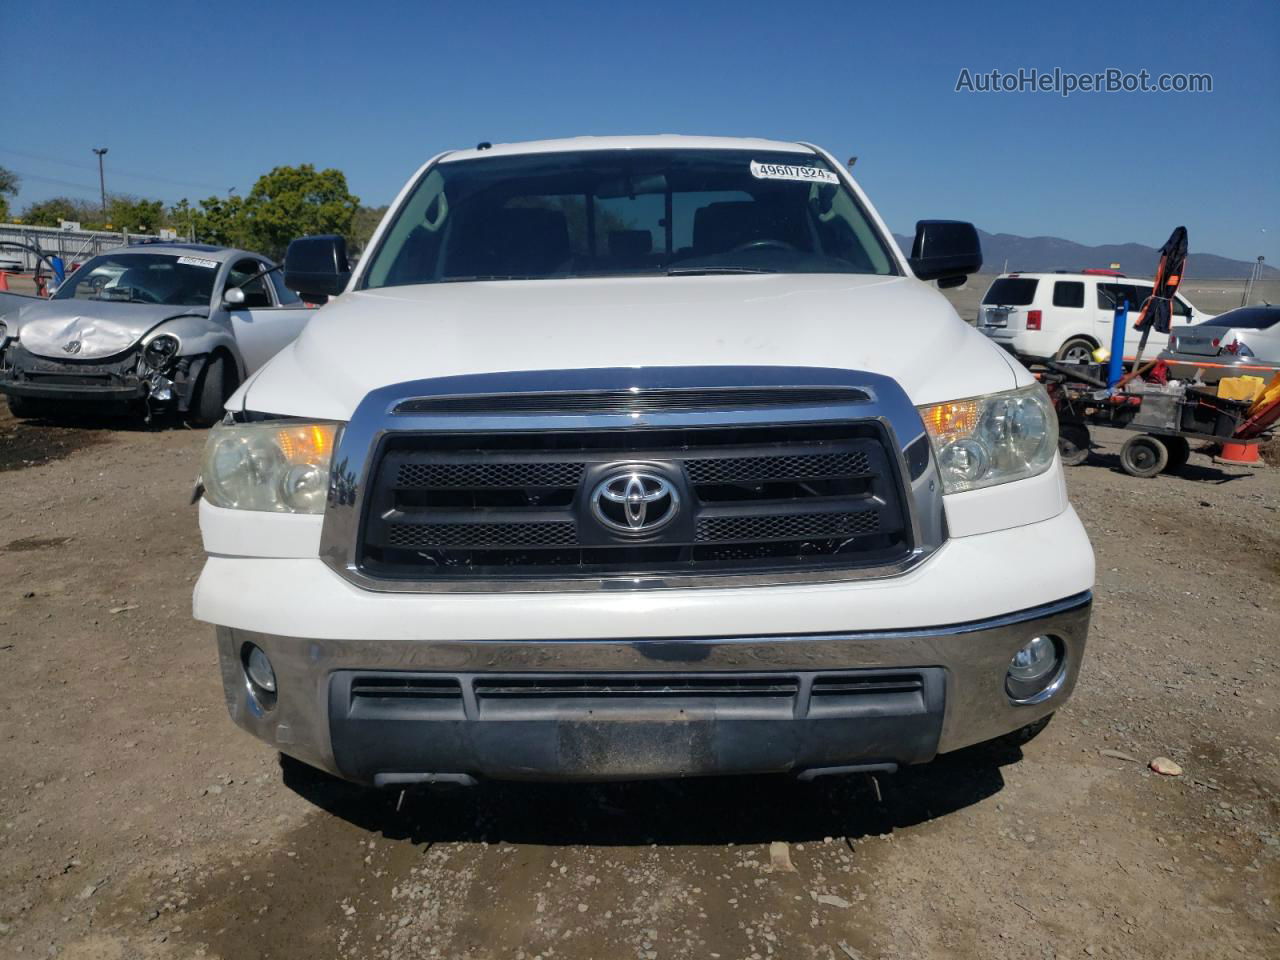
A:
[802,467]
[489,474]
[794,527]
[424,535]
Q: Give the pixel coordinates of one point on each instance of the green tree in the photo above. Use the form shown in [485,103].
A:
[363,224]
[8,188]
[299,201]
[182,218]
[222,220]
[49,213]
[125,212]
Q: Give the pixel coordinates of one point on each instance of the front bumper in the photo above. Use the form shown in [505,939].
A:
[111,380]
[389,711]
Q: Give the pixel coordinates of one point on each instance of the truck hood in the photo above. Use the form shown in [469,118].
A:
[895,326]
[102,328]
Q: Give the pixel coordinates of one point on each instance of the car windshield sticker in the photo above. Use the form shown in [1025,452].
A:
[785,171]
[199,262]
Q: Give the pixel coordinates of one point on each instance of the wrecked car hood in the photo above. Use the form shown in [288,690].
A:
[895,326]
[102,328]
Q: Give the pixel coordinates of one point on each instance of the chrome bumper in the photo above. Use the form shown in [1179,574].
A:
[973,659]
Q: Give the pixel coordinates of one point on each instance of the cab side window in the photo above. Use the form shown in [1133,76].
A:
[1068,293]
[255,290]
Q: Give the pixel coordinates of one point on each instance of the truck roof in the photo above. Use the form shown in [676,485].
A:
[667,141]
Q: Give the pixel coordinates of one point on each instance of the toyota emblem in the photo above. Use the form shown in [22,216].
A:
[72,346]
[634,503]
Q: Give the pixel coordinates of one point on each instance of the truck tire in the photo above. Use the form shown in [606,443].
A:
[1179,453]
[216,384]
[1143,455]
[1073,444]
[1076,350]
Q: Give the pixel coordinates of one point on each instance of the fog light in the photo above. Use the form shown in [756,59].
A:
[1035,670]
[258,669]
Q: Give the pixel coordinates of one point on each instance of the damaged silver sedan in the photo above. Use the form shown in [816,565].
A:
[150,327]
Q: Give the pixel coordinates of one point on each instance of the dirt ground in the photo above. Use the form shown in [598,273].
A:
[137,821]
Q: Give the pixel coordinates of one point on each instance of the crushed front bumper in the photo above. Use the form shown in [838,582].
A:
[393,711]
[111,380]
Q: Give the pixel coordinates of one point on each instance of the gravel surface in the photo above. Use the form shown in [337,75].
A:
[136,821]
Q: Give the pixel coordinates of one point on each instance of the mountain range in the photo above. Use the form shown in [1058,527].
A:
[1042,254]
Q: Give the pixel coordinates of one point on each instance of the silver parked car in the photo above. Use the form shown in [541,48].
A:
[174,326]
[1239,342]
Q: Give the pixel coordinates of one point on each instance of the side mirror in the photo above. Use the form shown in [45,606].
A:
[317,267]
[946,251]
[233,298]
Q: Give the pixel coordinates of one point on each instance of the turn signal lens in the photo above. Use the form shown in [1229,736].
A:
[945,420]
[307,443]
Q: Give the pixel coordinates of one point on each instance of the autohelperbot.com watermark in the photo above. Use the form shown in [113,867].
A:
[1065,83]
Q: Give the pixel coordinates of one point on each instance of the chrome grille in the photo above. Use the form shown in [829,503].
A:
[514,505]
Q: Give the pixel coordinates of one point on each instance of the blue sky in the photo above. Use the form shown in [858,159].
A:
[196,98]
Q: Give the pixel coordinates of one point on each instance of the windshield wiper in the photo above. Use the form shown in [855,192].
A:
[711,271]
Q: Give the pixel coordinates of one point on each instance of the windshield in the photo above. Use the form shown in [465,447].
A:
[627,213]
[170,279]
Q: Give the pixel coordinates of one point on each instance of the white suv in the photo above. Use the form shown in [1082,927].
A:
[1065,316]
[602,467]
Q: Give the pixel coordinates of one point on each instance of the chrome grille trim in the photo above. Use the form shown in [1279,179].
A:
[872,397]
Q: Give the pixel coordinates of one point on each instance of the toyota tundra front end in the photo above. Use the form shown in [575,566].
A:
[638,457]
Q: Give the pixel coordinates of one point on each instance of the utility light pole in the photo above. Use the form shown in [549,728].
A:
[102,182]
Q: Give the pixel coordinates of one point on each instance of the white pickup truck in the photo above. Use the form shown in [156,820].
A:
[638,457]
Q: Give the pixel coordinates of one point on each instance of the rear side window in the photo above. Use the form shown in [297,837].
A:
[1068,293]
[1111,295]
[1250,318]
[1011,291]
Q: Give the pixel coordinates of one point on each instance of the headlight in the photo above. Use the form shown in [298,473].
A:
[161,350]
[281,466]
[993,439]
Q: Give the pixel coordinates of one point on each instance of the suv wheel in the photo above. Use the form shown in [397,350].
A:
[1076,350]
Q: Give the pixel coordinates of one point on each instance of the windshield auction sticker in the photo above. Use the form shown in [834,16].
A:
[783,171]
[199,262]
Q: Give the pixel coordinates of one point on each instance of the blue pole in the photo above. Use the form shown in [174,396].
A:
[1115,369]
